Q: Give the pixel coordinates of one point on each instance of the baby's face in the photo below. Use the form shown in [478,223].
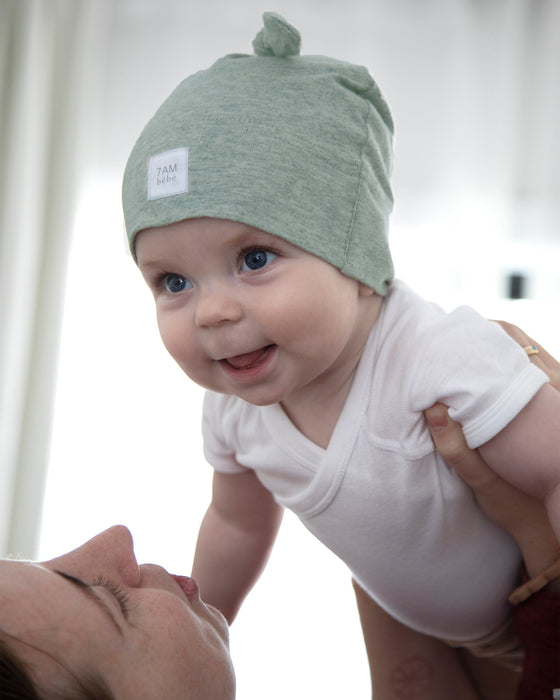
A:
[244,312]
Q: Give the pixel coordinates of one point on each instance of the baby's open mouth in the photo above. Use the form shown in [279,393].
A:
[249,359]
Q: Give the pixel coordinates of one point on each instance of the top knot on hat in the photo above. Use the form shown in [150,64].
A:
[277,38]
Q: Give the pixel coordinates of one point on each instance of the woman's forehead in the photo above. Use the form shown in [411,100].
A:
[29,597]
[19,578]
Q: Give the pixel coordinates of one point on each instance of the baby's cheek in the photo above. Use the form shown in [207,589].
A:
[170,334]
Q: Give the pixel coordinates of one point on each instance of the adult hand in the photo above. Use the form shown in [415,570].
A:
[522,516]
[542,358]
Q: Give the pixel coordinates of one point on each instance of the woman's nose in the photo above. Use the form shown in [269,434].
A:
[109,554]
[216,307]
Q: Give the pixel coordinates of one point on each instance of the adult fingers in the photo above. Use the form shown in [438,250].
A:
[450,443]
[512,509]
[542,358]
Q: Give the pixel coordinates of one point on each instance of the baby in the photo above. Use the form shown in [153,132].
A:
[256,203]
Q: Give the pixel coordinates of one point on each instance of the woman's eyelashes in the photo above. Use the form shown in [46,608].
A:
[256,259]
[120,596]
[110,586]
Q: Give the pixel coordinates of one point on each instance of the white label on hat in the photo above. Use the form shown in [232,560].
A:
[168,173]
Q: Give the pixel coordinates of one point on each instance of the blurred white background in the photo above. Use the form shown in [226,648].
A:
[474,90]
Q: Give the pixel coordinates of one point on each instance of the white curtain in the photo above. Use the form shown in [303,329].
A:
[46,67]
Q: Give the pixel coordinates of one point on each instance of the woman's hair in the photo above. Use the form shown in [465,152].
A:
[16,682]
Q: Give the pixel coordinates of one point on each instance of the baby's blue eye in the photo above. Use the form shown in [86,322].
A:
[176,283]
[257,259]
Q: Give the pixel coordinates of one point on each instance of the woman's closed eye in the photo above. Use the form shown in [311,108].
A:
[120,596]
[256,259]
[114,589]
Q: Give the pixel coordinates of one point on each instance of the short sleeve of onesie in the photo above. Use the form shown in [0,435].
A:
[473,366]
[218,433]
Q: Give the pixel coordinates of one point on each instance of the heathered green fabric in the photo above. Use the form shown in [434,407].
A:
[298,146]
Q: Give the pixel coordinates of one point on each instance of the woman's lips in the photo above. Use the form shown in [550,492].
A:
[188,585]
[190,588]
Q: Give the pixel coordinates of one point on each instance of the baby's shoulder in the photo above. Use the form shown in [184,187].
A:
[420,335]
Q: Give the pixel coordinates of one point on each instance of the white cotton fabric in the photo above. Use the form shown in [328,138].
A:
[379,496]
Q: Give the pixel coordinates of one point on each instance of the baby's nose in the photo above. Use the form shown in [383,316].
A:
[217,307]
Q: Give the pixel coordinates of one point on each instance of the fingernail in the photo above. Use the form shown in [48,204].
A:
[436,422]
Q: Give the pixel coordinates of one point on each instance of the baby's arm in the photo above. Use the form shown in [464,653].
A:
[526,453]
[235,540]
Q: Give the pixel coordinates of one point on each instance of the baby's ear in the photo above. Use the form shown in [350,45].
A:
[364,290]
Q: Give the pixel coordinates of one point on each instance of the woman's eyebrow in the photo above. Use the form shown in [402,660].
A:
[92,595]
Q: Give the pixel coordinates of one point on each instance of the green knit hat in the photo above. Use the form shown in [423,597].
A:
[298,146]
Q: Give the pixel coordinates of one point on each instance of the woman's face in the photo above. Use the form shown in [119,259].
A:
[95,612]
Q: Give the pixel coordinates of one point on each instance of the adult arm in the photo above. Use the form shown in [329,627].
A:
[235,540]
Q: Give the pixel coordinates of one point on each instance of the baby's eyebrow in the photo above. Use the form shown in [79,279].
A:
[92,595]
